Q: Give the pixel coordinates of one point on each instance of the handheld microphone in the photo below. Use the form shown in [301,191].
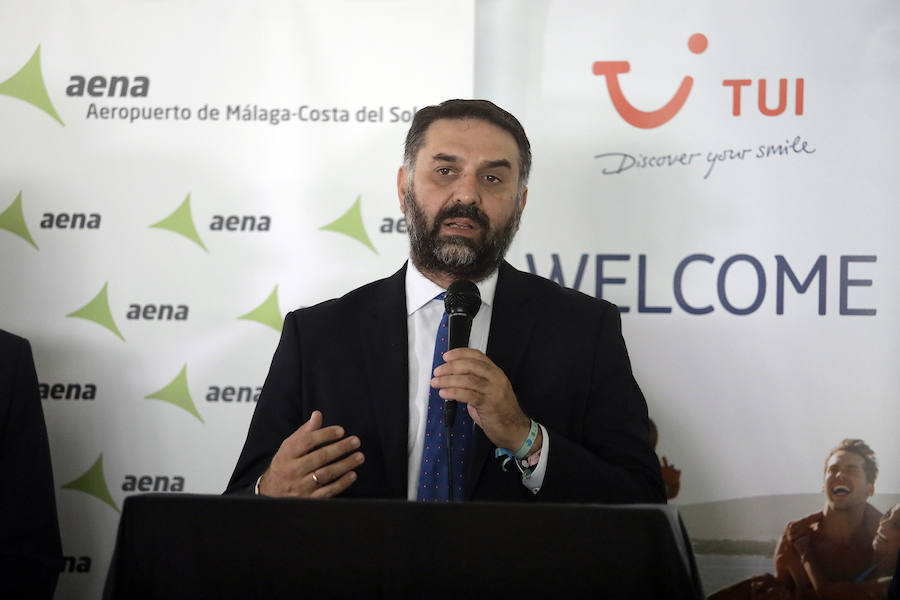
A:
[461,303]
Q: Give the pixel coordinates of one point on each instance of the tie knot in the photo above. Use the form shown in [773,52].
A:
[440,296]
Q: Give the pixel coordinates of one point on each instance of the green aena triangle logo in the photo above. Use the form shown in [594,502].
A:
[93,482]
[351,225]
[27,84]
[267,313]
[176,392]
[13,220]
[97,310]
[182,222]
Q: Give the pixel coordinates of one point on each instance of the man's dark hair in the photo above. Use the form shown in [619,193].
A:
[467,109]
[859,447]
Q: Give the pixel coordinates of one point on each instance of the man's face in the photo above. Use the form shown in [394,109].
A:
[462,204]
[846,486]
[887,537]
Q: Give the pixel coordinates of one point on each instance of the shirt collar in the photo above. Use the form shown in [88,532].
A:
[420,290]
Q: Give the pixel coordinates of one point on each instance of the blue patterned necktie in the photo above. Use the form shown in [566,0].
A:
[433,474]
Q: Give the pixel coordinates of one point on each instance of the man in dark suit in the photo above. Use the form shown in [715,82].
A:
[30,550]
[546,379]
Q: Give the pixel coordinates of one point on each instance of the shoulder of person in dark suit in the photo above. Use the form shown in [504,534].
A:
[30,549]
[316,340]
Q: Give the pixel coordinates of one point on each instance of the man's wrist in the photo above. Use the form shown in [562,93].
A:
[538,443]
[534,432]
[534,466]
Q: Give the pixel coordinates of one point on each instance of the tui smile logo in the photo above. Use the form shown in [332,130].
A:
[654,118]
[697,44]
[28,85]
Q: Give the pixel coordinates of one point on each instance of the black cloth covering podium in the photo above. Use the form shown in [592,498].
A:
[198,546]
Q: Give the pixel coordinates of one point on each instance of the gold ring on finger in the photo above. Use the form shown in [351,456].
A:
[316,478]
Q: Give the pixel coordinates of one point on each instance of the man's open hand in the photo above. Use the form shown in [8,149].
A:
[309,463]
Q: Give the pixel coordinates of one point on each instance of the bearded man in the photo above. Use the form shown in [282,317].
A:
[351,405]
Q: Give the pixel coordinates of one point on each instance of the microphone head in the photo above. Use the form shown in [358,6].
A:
[462,297]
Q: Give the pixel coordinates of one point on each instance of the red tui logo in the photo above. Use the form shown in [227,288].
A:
[640,118]
[697,44]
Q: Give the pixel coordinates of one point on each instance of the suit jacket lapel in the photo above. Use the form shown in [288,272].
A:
[511,326]
[385,348]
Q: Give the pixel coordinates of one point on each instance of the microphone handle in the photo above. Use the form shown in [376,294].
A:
[449,413]
[459,327]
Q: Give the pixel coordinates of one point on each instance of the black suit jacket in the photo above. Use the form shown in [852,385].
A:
[30,551]
[562,351]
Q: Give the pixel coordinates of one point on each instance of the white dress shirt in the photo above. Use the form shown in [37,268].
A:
[423,316]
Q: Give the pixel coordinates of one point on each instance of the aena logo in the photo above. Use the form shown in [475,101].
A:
[93,483]
[181,221]
[13,220]
[267,313]
[351,225]
[176,392]
[27,84]
[97,310]
[76,564]
[68,391]
[697,44]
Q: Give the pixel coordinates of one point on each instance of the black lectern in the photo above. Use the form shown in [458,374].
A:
[192,546]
